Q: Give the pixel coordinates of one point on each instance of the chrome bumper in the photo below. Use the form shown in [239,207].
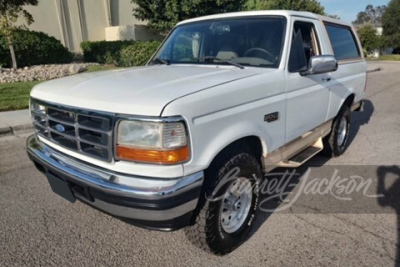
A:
[156,203]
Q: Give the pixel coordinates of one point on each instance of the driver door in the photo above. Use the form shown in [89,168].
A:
[307,97]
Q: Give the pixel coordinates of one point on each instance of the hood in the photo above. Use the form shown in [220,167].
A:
[136,91]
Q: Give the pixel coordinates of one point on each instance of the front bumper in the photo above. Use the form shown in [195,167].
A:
[154,203]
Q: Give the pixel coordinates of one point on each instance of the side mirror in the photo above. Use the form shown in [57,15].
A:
[321,64]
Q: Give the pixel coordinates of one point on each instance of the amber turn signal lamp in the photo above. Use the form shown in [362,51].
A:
[153,156]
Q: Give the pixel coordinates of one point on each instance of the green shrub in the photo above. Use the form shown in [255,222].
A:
[137,54]
[103,52]
[34,48]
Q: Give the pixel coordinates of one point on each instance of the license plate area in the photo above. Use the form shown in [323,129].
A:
[61,188]
[81,191]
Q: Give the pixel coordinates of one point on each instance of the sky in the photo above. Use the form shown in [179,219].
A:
[347,10]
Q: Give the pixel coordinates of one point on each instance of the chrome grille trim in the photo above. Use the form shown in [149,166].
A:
[83,131]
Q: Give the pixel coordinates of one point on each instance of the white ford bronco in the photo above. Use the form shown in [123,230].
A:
[151,145]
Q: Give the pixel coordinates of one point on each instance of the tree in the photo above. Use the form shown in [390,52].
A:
[391,23]
[10,11]
[313,6]
[372,15]
[369,38]
[254,4]
[333,16]
[164,14]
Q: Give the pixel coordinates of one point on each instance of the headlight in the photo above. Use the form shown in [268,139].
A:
[152,142]
[34,106]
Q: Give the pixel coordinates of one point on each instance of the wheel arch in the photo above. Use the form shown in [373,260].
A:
[250,143]
[349,101]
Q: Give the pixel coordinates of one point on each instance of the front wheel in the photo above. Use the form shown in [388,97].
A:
[230,205]
[335,143]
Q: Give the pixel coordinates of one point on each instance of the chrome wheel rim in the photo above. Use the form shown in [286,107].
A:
[236,205]
[342,131]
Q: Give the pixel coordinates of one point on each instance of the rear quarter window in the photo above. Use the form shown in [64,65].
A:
[343,42]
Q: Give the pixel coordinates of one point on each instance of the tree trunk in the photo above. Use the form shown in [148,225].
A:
[13,59]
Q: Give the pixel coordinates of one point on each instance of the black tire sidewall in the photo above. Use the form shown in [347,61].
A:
[340,149]
[220,240]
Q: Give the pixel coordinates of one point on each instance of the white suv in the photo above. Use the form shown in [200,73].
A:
[247,91]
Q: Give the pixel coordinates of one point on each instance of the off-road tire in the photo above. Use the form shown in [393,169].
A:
[331,146]
[207,232]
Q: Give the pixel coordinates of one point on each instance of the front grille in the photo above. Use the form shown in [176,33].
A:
[86,132]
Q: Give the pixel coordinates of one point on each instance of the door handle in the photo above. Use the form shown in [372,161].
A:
[326,79]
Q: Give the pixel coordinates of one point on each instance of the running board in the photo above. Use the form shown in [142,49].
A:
[302,157]
[298,151]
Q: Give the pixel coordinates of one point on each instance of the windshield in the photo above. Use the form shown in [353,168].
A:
[247,41]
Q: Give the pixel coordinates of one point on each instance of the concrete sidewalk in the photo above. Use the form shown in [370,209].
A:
[15,122]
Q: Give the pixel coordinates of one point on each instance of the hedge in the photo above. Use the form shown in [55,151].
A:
[124,53]
[138,54]
[103,52]
[34,48]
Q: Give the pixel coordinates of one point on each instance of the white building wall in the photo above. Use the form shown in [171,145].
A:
[47,18]
[122,13]
[95,18]
[131,32]
[74,21]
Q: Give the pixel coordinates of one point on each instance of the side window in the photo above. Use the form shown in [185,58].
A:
[343,42]
[304,46]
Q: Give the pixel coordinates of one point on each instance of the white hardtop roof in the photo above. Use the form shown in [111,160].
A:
[285,13]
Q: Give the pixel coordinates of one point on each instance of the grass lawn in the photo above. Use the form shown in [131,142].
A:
[15,96]
[390,57]
[100,67]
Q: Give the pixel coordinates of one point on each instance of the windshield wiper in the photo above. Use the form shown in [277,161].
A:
[224,60]
[160,61]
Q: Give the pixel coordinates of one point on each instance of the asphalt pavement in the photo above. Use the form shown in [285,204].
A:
[38,228]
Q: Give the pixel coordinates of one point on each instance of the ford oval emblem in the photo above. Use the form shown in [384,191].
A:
[60,128]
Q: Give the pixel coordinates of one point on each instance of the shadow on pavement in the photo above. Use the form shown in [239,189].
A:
[360,118]
[391,197]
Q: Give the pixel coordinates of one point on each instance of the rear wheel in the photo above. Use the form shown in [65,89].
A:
[229,207]
[335,144]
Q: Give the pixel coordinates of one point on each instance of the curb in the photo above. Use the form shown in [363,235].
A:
[24,128]
[5,131]
[18,129]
